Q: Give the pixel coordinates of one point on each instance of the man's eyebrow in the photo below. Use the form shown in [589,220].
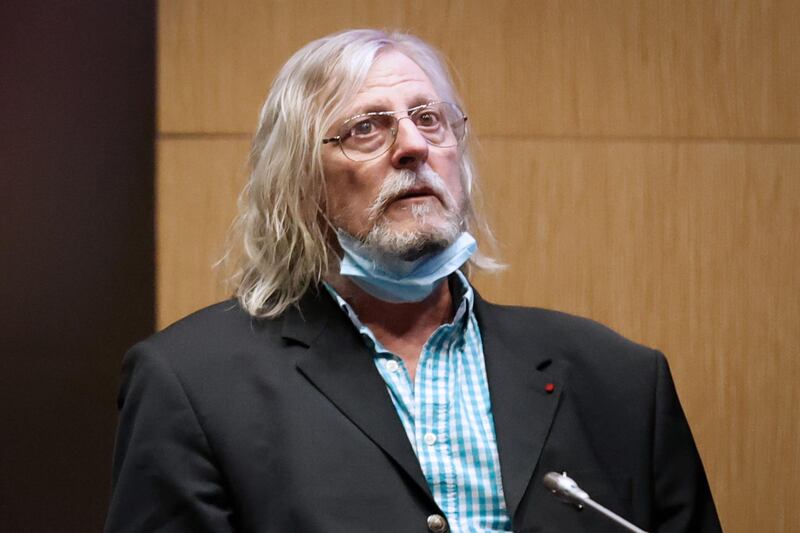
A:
[373,107]
[422,100]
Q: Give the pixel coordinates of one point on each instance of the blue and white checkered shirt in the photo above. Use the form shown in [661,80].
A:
[447,415]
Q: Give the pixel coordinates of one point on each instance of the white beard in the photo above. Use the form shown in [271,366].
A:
[430,234]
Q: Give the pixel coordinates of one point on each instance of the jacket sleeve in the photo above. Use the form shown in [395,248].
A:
[164,476]
[682,496]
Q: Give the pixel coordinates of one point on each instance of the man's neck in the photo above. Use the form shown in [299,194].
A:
[403,328]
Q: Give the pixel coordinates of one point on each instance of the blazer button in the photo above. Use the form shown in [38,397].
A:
[437,524]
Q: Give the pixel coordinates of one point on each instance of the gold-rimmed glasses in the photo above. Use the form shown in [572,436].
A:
[370,135]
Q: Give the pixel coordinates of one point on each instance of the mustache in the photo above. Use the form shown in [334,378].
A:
[399,183]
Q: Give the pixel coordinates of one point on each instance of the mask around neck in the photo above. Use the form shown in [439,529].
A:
[397,281]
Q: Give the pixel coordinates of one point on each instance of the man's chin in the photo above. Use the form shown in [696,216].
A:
[411,243]
[424,248]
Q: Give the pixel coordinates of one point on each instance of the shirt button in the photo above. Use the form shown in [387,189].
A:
[392,365]
[430,440]
[437,524]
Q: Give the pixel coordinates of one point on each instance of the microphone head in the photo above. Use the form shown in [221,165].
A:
[565,488]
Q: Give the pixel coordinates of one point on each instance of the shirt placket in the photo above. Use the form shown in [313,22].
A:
[433,417]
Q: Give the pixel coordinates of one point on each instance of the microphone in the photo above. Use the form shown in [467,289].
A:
[565,488]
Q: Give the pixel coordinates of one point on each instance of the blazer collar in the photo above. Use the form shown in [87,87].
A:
[524,397]
[340,365]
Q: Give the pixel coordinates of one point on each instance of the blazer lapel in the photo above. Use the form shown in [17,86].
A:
[524,398]
[341,367]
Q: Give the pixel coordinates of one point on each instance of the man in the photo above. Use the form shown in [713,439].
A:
[358,382]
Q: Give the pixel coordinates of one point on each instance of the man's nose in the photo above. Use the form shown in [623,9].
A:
[410,148]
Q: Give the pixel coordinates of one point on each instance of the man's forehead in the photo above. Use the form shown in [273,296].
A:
[393,67]
[394,79]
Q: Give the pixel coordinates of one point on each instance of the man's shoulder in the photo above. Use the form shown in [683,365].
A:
[549,319]
[220,328]
[556,330]
[213,320]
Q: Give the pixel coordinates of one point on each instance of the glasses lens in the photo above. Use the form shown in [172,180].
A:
[367,136]
[442,124]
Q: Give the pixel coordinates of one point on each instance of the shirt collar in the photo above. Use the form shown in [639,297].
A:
[460,289]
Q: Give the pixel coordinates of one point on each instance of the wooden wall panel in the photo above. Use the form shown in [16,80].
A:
[198,182]
[569,68]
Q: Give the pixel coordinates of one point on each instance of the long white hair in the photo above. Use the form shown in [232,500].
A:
[280,243]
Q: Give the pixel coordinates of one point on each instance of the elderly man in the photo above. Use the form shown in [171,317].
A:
[358,382]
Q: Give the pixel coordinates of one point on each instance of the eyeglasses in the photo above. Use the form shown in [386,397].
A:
[370,135]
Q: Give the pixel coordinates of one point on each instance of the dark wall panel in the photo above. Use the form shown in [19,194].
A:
[76,238]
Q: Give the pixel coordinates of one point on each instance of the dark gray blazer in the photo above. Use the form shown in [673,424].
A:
[229,423]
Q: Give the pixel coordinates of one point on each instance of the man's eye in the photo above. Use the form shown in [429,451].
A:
[427,118]
[365,127]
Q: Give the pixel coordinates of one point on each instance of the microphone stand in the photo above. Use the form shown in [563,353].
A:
[568,491]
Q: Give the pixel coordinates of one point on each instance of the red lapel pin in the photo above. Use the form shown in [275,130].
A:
[549,388]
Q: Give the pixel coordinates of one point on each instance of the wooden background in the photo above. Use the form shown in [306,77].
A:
[641,162]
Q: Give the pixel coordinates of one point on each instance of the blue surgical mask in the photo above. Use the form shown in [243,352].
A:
[398,281]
